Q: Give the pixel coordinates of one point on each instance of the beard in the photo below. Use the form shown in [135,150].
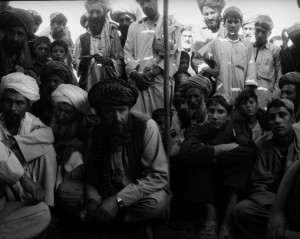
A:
[64,130]
[197,115]
[96,25]
[58,33]
[119,135]
[214,24]
[13,48]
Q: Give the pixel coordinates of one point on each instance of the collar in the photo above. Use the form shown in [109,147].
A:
[267,45]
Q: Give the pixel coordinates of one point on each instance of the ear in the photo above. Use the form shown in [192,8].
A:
[293,118]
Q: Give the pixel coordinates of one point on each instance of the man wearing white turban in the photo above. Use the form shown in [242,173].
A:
[27,162]
[69,125]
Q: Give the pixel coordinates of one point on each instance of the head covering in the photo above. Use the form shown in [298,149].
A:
[84,20]
[37,17]
[184,55]
[249,18]
[125,7]
[288,104]
[214,4]
[197,81]
[57,17]
[58,68]
[23,84]
[290,78]
[103,4]
[72,95]
[116,92]
[294,30]
[233,9]
[16,17]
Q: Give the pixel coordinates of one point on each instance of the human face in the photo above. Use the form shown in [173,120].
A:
[95,12]
[114,117]
[217,116]
[58,30]
[65,112]
[249,107]
[194,98]
[53,82]
[150,8]
[212,18]
[14,40]
[14,106]
[186,38]
[261,35]
[233,26]
[249,30]
[290,92]
[160,120]
[58,53]
[280,121]
[184,65]
[125,21]
[42,51]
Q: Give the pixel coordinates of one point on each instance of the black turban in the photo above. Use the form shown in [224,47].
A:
[58,68]
[115,92]
[16,17]
[214,4]
[291,78]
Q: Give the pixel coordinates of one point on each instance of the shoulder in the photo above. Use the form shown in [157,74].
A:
[262,141]
[35,120]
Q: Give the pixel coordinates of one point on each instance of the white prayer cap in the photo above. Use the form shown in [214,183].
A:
[72,95]
[23,84]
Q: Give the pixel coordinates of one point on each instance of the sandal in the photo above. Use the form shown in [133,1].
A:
[225,232]
[208,230]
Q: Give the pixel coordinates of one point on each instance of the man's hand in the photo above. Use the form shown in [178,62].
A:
[107,212]
[276,225]
[33,188]
[100,59]
[143,81]
[84,62]
[88,211]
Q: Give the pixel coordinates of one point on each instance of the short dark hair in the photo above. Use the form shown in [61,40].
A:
[244,96]
[264,21]
[276,103]
[218,99]
[42,39]
[60,18]
[61,43]
[158,112]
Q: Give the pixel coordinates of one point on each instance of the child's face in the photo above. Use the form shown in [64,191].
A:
[58,53]
[249,107]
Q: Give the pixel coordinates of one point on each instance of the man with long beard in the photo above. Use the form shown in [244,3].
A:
[127,170]
[69,129]
[17,26]
[98,53]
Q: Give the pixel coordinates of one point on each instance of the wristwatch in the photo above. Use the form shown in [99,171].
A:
[120,202]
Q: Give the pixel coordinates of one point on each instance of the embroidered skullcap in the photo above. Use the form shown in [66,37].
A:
[103,4]
[288,104]
[58,68]
[23,84]
[294,30]
[234,10]
[197,81]
[116,92]
[214,4]
[125,7]
[73,95]
[290,78]
[16,17]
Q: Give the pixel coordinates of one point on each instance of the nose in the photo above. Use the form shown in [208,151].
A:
[13,107]
[283,95]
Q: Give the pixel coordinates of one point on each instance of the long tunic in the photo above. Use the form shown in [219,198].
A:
[237,67]
[140,53]
[34,140]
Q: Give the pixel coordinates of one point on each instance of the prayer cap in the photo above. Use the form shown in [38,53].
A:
[294,30]
[292,78]
[115,92]
[214,4]
[58,17]
[125,7]
[58,68]
[23,84]
[16,17]
[73,95]
[288,104]
[197,81]
[103,4]
[233,9]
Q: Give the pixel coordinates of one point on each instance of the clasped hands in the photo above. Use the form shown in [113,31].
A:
[145,80]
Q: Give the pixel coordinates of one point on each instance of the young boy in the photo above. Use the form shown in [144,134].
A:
[42,50]
[59,50]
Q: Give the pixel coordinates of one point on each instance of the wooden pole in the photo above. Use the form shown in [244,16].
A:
[166,79]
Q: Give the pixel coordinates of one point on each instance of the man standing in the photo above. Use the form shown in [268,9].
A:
[28,138]
[127,171]
[144,57]
[18,25]
[267,61]
[99,54]
[276,152]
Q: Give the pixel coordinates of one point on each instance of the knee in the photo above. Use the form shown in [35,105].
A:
[43,216]
[241,211]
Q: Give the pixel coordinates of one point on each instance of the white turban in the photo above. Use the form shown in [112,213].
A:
[72,95]
[23,84]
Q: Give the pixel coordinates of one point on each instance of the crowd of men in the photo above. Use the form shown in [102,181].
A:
[82,126]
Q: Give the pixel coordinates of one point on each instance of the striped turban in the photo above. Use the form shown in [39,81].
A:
[291,78]
[23,84]
[115,92]
[288,104]
[73,95]
[16,17]
[214,4]
[197,81]
[58,68]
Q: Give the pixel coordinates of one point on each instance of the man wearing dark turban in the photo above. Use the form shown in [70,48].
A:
[127,170]
[289,85]
[18,25]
